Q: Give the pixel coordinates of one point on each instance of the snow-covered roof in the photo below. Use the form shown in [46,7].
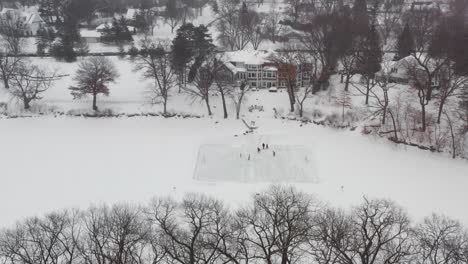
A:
[103,26]
[270,68]
[27,17]
[131,13]
[110,25]
[252,57]
[90,33]
[233,68]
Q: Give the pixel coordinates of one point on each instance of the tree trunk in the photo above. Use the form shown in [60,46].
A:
[394,125]
[429,90]
[441,109]
[284,258]
[5,83]
[95,108]
[423,117]
[384,115]
[26,104]
[224,103]
[207,102]
[165,106]
[348,77]
[292,98]
[367,91]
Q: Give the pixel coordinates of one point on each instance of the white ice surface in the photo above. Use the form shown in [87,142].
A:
[52,163]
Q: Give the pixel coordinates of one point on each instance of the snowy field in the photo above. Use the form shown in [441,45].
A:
[50,163]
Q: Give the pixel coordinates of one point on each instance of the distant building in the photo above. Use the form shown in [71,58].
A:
[90,36]
[398,72]
[425,6]
[258,71]
[132,13]
[31,21]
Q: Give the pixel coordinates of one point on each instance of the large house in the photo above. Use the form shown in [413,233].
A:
[256,69]
[30,21]
[397,72]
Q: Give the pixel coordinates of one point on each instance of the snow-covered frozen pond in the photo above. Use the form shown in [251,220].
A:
[50,163]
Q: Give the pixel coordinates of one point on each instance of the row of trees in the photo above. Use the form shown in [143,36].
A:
[279,225]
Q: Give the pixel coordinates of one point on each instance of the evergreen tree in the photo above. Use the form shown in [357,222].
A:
[203,47]
[360,17]
[461,61]
[370,54]
[369,58]
[182,50]
[405,44]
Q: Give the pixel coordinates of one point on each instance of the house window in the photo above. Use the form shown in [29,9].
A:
[253,84]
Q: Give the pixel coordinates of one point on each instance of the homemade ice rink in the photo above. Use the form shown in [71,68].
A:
[239,161]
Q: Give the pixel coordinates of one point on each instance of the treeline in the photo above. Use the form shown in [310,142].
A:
[280,225]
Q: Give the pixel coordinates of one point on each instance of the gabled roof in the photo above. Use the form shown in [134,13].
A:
[27,17]
[252,57]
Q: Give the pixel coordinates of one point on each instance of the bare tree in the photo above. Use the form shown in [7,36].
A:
[232,239]
[203,84]
[390,16]
[331,238]
[273,28]
[155,64]
[278,223]
[238,95]
[11,31]
[440,240]
[224,82]
[36,240]
[419,82]
[302,94]
[238,25]
[9,62]
[126,234]
[258,36]
[343,100]
[450,84]
[381,98]
[309,70]
[93,245]
[92,77]
[185,228]
[382,232]
[287,64]
[173,15]
[29,82]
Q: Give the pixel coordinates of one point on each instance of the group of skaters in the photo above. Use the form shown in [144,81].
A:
[259,150]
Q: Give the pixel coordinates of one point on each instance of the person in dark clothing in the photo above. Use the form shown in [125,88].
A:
[266,146]
[258,150]
[263,145]
[274,153]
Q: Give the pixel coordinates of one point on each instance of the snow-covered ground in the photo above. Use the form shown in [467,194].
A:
[50,163]
[246,158]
